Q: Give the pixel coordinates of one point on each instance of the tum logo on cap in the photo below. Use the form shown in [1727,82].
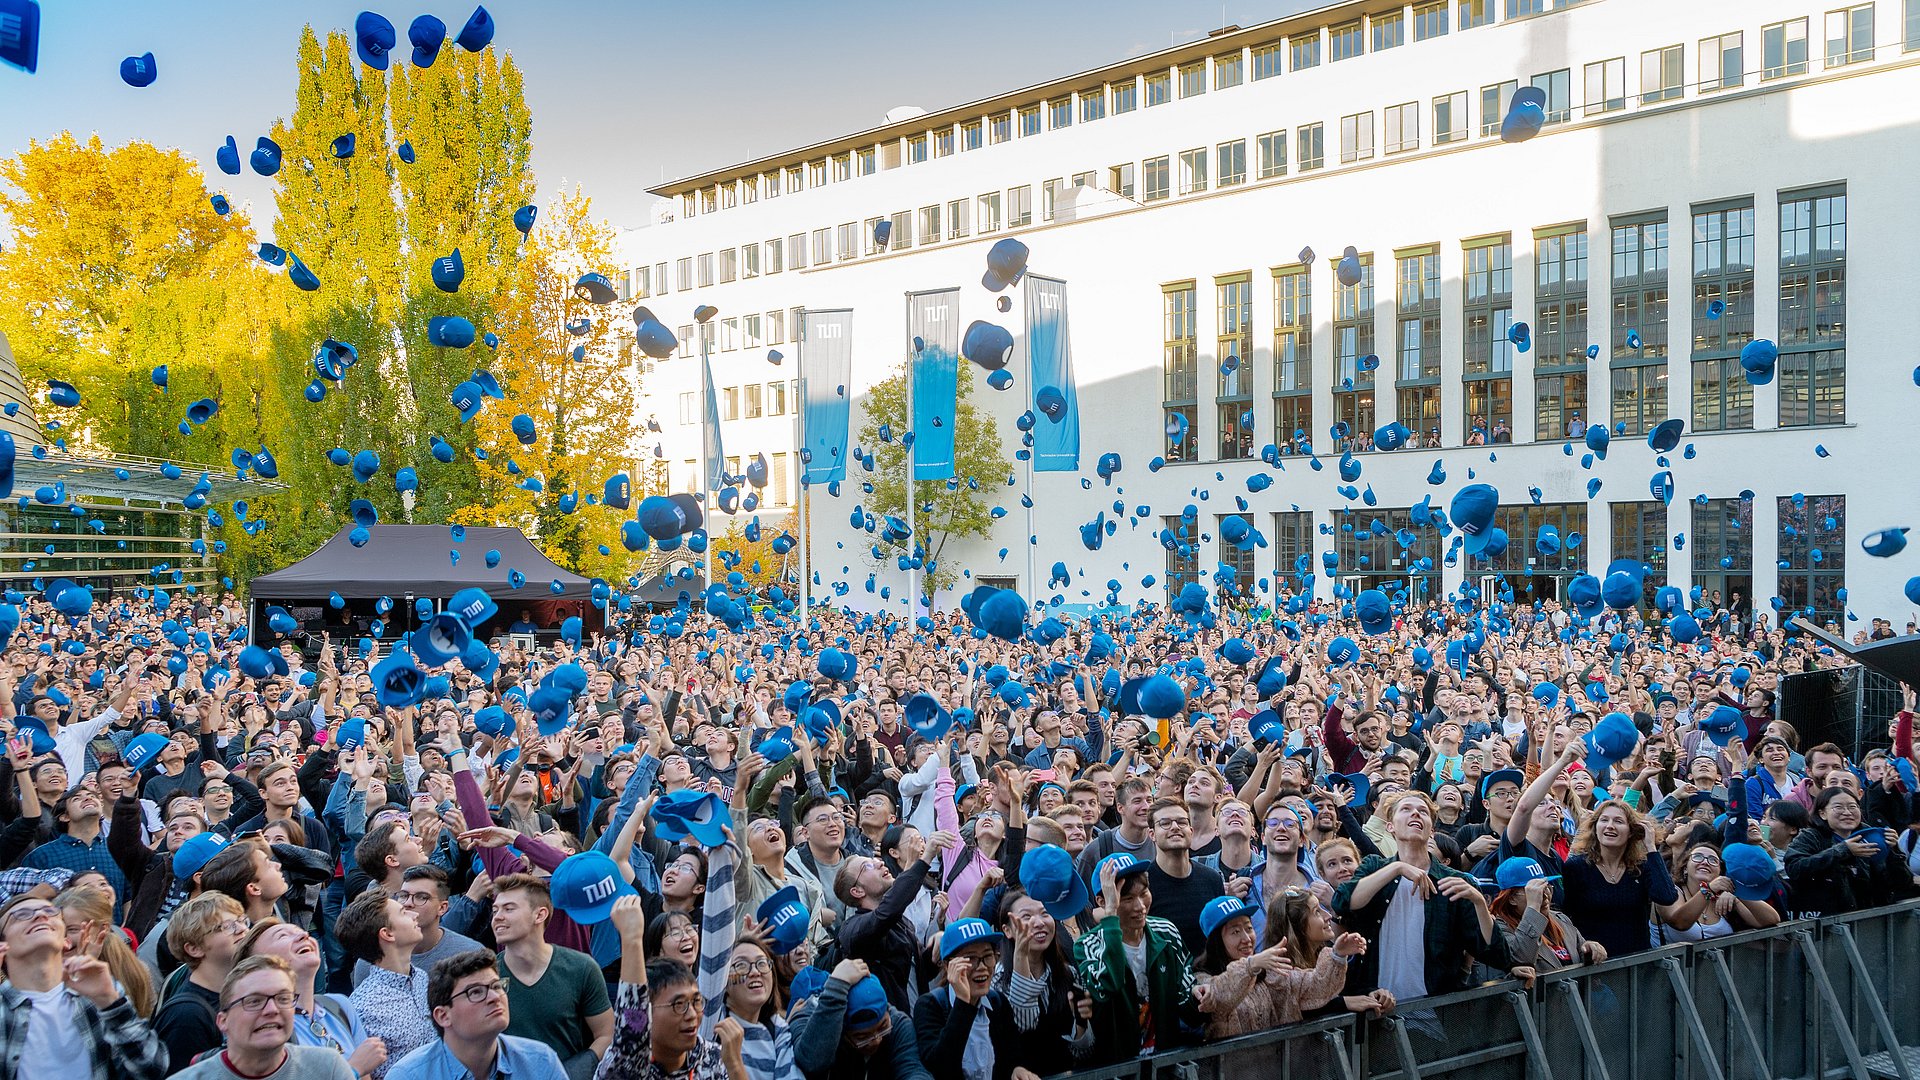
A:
[472,609]
[12,30]
[600,890]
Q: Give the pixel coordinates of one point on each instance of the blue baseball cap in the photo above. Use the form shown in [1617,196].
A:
[785,918]
[586,885]
[866,1003]
[195,853]
[1515,872]
[1221,909]
[1047,875]
[143,751]
[689,813]
[964,932]
[1125,865]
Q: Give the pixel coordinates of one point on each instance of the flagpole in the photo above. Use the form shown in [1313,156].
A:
[799,449]
[913,575]
[1033,581]
[700,484]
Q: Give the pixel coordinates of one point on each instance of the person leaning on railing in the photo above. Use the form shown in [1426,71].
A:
[1835,865]
[1415,902]
[1249,991]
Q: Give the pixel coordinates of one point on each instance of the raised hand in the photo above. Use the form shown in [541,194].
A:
[849,971]
[630,919]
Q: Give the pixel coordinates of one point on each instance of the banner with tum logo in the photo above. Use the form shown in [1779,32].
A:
[1056,444]
[933,321]
[826,367]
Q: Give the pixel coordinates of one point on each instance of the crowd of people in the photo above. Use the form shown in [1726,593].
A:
[775,846]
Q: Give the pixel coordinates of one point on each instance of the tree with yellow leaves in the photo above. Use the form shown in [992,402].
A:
[569,366]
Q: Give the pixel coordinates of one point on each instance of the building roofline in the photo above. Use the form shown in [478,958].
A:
[1158,60]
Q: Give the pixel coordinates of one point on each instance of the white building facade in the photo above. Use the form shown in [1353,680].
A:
[1711,172]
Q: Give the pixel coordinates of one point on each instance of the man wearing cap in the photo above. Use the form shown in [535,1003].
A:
[1135,967]
[849,1031]
[62,1014]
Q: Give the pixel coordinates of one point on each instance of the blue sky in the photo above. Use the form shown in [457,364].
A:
[624,93]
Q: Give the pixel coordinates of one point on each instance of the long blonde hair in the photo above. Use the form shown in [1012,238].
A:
[92,904]
[1586,842]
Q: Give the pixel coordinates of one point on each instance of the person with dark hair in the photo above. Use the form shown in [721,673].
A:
[1136,969]
[392,1000]
[80,843]
[386,853]
[878,931]
[469,1008]
[423,891]
[1052,1014]
[659,1009]
[559,995]
[246,871]
[1837,865]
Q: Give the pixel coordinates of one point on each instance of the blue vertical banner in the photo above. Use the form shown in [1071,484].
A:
[1056,442]
[826,366]
[716,454]
[933,331]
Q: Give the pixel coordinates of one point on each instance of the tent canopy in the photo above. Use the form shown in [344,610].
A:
[417,559]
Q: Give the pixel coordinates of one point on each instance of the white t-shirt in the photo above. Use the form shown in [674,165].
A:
[55,1039]
[1137,963]
[1403,944]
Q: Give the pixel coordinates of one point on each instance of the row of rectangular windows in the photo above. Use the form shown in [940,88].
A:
[749,402]
[779,489]
[1721,66]
[1849,39]
[1228,70]
[1721,541]
[1812,231]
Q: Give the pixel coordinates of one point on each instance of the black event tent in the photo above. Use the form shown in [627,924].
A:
[406,563]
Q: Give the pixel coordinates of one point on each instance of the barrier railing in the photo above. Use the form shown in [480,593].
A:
[1804,999]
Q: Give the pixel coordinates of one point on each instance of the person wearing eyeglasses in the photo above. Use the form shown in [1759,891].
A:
[468,1002]
[61,1014]
[659,1009]
[206,934]
[331,1021]
[256,1017]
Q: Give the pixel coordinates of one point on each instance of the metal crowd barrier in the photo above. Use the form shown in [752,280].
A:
[1805,999]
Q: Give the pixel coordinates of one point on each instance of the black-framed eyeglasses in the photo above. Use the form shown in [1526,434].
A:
[480,993]
[686,1006]
[253,1004]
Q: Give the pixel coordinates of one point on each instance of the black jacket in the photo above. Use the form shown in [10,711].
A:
[884,938]
[941,1025]
[1824,878]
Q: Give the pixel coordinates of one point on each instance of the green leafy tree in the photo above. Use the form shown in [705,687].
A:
[468,123]
[944,511]
[341,218]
